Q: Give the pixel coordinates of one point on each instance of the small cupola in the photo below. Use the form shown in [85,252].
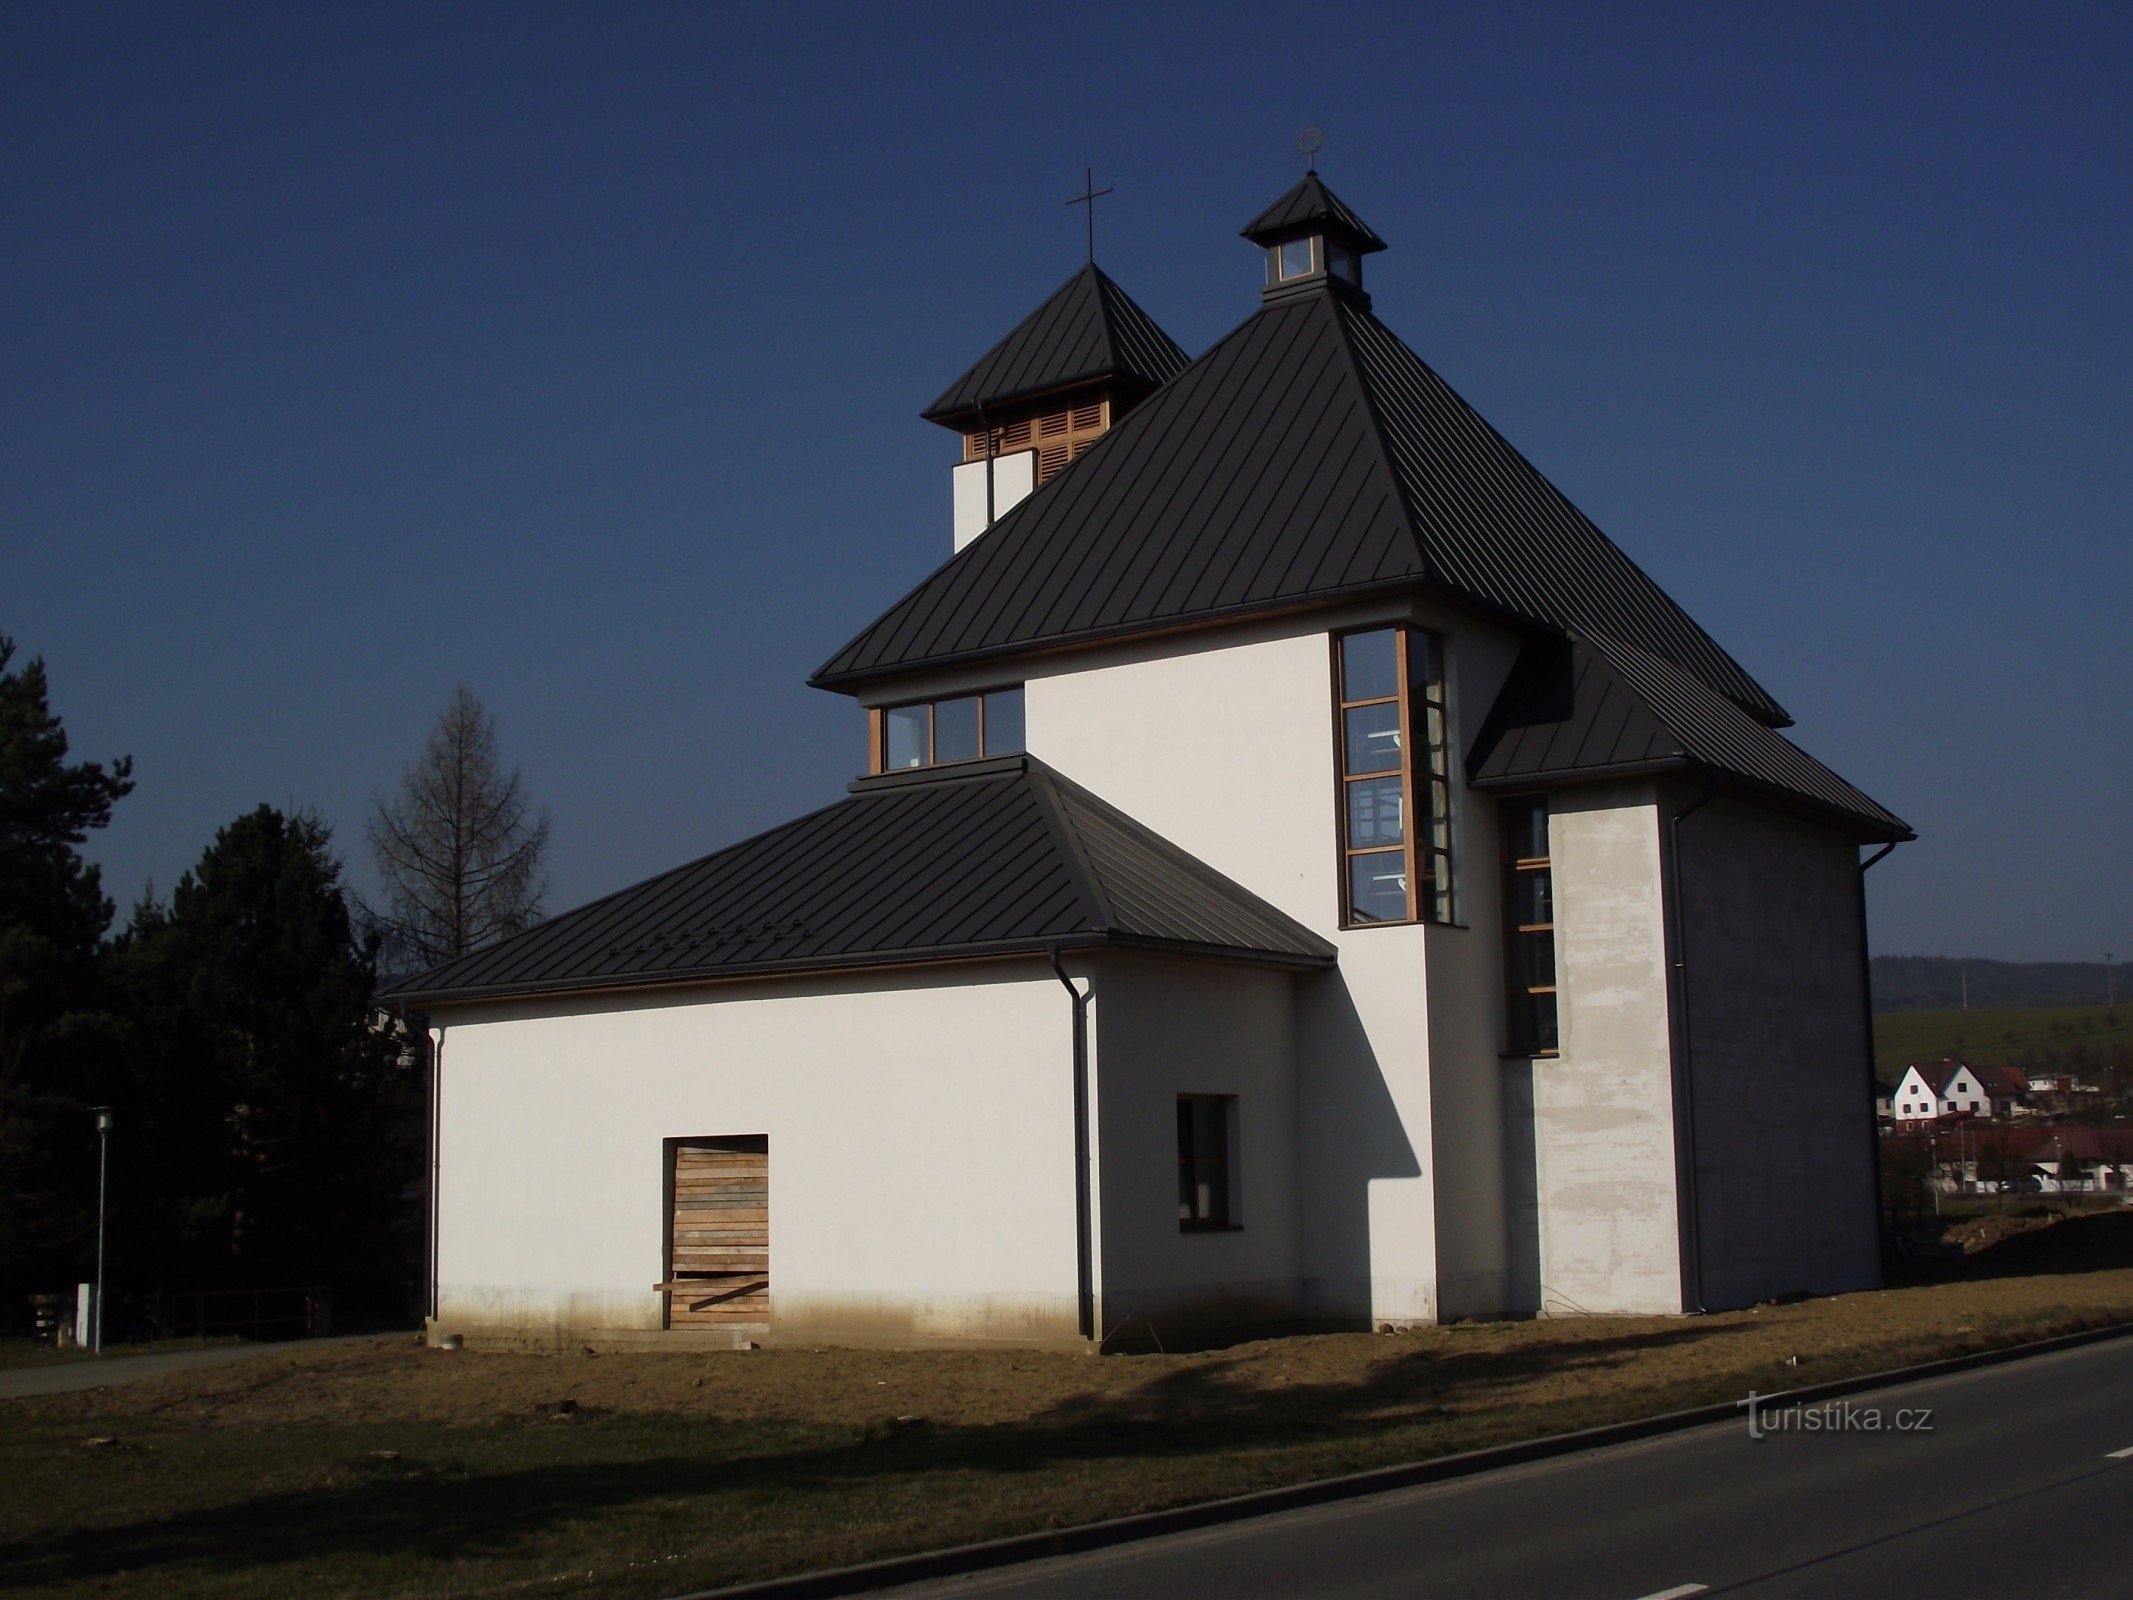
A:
[1312,241]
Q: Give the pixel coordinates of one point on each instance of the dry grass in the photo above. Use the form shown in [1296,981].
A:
[382,1468]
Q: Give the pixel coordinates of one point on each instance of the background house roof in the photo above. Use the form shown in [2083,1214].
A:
[1579,709]
[985,858]
[1088,328]
[1309,456]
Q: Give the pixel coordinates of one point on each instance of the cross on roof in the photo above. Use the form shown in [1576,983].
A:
[1088,197]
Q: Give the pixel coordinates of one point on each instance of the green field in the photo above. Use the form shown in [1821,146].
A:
[2081,1038]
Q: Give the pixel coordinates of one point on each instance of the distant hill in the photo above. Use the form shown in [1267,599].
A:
[1935,983]
[2093,1041]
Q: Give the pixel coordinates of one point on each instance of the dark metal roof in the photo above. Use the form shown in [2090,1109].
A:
[1308,457]
[987,858]
[1089,328]
[1579,709]
[1307,206]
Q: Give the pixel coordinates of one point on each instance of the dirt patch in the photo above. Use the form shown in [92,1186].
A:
[382,1467]
[395,1378]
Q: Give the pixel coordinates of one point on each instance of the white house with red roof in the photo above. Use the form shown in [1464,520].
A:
[1930,1091]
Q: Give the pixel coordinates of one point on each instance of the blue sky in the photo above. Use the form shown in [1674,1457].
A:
[576,353]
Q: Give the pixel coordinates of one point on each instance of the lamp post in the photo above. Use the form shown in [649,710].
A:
[103,1169]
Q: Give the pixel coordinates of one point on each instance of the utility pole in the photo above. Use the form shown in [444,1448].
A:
[103,1171]
[2110,977]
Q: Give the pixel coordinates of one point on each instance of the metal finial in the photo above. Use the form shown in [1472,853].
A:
[1309,143]
[1088,197]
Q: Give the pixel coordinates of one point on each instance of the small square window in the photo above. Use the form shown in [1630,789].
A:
[1296,258]
[1206,1126]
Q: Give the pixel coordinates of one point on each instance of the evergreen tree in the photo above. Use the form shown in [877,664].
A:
[53,916]
[284,1127]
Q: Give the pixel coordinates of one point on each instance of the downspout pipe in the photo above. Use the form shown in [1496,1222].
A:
[1685,1070]
[1084,1253]
[1866,1022]
[436,1054]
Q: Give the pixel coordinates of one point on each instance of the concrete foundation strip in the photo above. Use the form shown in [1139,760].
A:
[1020,1547]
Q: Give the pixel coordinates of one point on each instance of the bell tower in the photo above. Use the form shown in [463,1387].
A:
[1047,392]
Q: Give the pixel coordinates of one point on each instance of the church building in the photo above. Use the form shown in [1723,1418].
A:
[1303,874]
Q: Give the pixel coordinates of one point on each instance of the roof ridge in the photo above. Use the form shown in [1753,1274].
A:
[1044,788]
[1386,459]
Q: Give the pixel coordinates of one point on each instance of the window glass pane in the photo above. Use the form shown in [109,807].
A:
[1370,666]
[1533,1025]
[1431,754]
[1003,722]
[907,736]
[1526,829]
[1377,887]
[1376,813]
[1296,258]
[1422,660]
[1185,1163]
[1433,901]
[1532,898]
[955,729]
[1373,735]
[1533,960]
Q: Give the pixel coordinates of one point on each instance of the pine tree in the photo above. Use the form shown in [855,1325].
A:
[53,916]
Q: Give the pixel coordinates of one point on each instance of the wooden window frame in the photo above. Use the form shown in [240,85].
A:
[878,730]
[1516,1043]
[1414,702]
[1191,1161]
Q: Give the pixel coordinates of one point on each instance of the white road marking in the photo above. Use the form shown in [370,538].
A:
[1680,1591]
[2120,1455]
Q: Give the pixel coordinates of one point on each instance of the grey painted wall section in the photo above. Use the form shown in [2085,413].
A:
[1783,1158]
[1163,1027]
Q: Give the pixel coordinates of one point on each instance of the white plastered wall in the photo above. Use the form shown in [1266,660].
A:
[1603,1109]
[1223,742]
[920,1126]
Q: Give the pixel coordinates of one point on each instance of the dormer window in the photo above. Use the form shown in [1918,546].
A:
[932,733]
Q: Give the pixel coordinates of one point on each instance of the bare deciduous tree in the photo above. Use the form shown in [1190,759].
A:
[459,847]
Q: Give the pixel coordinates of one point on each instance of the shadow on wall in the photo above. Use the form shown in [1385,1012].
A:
[1351,1135]
[1521,1175]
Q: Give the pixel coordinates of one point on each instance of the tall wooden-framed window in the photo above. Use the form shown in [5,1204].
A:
[1395,778]
[932,733]
[1529,929]
[1206,1131]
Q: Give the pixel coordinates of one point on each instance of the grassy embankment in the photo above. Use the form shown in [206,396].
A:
[2010,1036]
[381,1468]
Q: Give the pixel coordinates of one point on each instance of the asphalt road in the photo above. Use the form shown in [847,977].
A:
[2019,1482]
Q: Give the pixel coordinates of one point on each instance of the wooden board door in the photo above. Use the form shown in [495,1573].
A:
[718,1232]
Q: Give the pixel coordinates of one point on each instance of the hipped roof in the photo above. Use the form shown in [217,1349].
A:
[982,859]
[1309,456]
[1578,709]
[1089,328]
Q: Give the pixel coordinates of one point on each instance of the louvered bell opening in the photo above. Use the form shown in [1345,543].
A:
[974,445]
[1054,422]
[1086,418]
[1015,435]
[1051,458]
